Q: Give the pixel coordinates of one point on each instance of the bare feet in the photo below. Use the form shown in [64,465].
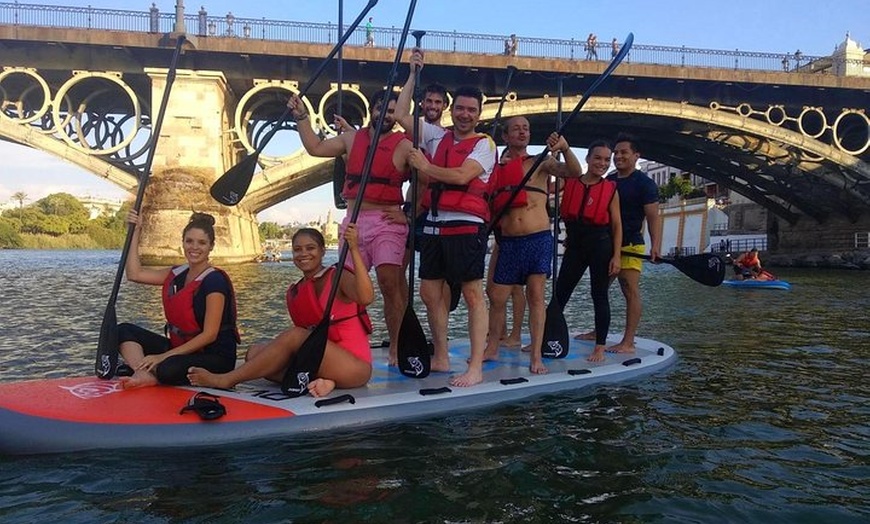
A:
[590,335]
[597,354]
[393,360]
[439,364]
[469,378]
[537,367]
[510,342]
[205,378]
[140,379]
[527,348]
[622,347]
[321,387]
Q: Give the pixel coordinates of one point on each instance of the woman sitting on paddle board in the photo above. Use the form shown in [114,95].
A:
[347,360]
[200,308]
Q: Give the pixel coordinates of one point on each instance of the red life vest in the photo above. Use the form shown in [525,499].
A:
[750,261]
[471,198]
[506,178]
[385,181]
[588,204]
[181,323]
[306,310]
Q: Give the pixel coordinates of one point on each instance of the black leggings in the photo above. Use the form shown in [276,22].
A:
[173,370]
[592,249]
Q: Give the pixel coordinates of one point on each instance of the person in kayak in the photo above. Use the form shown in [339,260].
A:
[200,308]
[748,265]
[347,360]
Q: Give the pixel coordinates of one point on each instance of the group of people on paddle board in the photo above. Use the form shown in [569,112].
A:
[463,186]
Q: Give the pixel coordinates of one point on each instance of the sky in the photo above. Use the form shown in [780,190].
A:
[779,26]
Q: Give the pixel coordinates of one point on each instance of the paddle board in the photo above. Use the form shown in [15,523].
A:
[757,284]
[86,413]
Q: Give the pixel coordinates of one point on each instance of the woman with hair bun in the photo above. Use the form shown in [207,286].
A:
[200,308]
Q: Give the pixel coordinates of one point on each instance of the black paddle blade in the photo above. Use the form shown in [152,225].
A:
[338,172]
[706,268]
[232,186]
[556,339]
[306,362]
[107,345]
[413,349]
[455,294]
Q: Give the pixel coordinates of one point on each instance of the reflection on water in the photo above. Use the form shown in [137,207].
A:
[764,418]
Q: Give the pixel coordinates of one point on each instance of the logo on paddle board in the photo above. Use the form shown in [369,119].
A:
[300,387]
[89,390]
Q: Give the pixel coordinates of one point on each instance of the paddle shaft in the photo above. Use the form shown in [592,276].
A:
[556,194]
[146,171]
[504,92]
[370,155]
[302,92]
[623,51]
[415,182]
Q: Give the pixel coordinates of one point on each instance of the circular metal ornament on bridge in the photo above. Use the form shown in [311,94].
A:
[362,108]
[776,115]
[248,106]
[19,108]
[745,110]
[100,126]
[804,122]
[841,136]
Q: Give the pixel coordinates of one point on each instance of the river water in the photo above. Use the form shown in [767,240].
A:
[764,418]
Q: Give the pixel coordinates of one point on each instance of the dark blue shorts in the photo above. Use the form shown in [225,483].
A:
[519,257]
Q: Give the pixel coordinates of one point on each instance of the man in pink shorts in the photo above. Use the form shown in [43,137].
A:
[381,241]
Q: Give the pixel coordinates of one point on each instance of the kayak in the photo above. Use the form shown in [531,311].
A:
[757,284]
[87,413]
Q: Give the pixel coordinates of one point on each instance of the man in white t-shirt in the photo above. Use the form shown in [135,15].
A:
[454,245]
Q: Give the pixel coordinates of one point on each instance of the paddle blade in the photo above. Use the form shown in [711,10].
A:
[306,362]
[338,172]
[706,268]
[413,350]
[455,294]
[232,186]
[107,345]
[556,338]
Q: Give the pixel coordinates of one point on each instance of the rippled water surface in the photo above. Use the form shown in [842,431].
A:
[764,418]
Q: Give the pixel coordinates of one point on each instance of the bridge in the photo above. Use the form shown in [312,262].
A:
[789,132]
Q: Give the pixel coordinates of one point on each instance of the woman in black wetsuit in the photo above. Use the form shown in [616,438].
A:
[593,228]
[200,308]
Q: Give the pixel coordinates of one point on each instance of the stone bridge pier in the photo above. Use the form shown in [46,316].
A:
[191,153]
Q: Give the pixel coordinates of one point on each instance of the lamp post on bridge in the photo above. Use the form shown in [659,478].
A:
[179,17]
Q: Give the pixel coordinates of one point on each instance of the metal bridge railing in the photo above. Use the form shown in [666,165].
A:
[229,26]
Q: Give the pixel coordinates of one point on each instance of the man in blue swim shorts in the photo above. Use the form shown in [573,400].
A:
[525,240]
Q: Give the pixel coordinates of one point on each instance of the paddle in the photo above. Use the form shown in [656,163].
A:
[705,268]
[412,348]
[107,344]
[338,167]
[232,186]
[556,342]
[623,51]
[306,362]
[495,121]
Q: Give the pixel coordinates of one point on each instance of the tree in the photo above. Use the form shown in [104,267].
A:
[20,197]
[270,230]
[9,237]
[68,209]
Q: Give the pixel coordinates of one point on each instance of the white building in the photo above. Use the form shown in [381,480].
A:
[97,206]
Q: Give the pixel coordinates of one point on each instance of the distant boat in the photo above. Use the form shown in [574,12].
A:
[757,284]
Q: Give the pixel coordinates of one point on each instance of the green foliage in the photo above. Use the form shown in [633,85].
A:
[677,185]
[9,237]
[68,208]
[270,230]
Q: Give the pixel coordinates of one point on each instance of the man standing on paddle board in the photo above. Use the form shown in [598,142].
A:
[525,241]
[454,246]
[638,202]
[382,241]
